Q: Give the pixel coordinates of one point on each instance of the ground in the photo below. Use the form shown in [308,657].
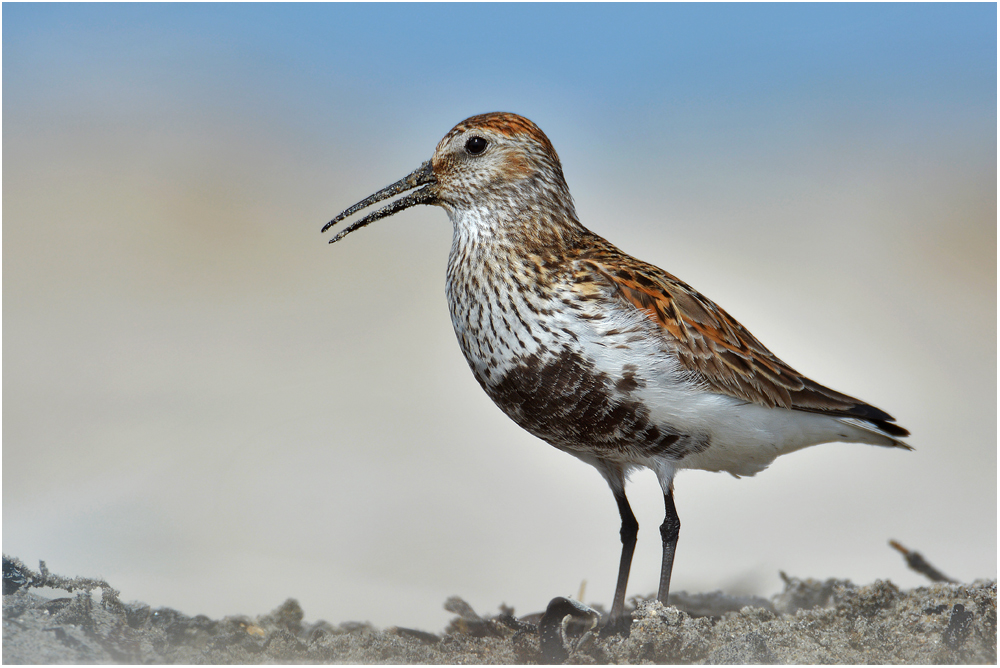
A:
[831,621]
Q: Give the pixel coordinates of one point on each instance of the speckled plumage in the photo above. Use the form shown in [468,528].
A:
[599,354]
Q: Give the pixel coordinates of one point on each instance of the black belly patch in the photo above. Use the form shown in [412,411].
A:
[564,400]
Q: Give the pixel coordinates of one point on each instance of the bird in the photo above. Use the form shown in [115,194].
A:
[606,357]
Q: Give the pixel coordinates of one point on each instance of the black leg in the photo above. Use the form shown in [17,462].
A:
[629,531]
[669,531]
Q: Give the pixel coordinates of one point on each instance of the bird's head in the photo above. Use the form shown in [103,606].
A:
[497,164]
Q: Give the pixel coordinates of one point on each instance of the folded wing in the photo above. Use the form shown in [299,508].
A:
[709,342]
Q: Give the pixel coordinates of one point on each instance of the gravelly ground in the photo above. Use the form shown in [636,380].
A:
[832,621]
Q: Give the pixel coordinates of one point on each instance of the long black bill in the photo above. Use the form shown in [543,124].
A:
[421,176]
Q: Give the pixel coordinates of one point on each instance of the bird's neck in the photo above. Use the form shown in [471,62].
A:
[534,220]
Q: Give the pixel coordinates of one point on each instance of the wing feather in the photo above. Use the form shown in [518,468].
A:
[713,345]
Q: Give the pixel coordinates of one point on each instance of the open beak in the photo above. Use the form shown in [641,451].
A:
[421,176]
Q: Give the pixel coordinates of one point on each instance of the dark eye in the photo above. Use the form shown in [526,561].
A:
[475,145]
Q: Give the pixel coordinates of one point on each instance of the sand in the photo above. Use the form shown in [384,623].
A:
[811,621]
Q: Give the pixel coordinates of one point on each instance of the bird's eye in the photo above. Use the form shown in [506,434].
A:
[475,145]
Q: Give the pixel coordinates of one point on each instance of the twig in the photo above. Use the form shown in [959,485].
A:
[916,561]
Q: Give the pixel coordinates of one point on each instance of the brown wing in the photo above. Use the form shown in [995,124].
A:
[709,342]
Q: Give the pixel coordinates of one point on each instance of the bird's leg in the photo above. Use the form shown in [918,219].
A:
[669,531]
[629,531]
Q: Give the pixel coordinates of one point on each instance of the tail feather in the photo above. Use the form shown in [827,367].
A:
[879,432]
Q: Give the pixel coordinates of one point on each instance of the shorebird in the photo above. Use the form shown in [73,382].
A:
[604,356]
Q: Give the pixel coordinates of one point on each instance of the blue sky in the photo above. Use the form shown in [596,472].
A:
[606,57]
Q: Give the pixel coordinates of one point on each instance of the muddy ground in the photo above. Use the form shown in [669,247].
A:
[811,621]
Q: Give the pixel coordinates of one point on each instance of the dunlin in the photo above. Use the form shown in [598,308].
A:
[602,355]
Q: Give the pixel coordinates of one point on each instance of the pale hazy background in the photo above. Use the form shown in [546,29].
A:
[215,410]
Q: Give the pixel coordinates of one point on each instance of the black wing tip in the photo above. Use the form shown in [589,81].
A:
[891,428]
[879,418]
[894,432]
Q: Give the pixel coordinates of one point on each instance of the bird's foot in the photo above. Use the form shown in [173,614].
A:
[621,626]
